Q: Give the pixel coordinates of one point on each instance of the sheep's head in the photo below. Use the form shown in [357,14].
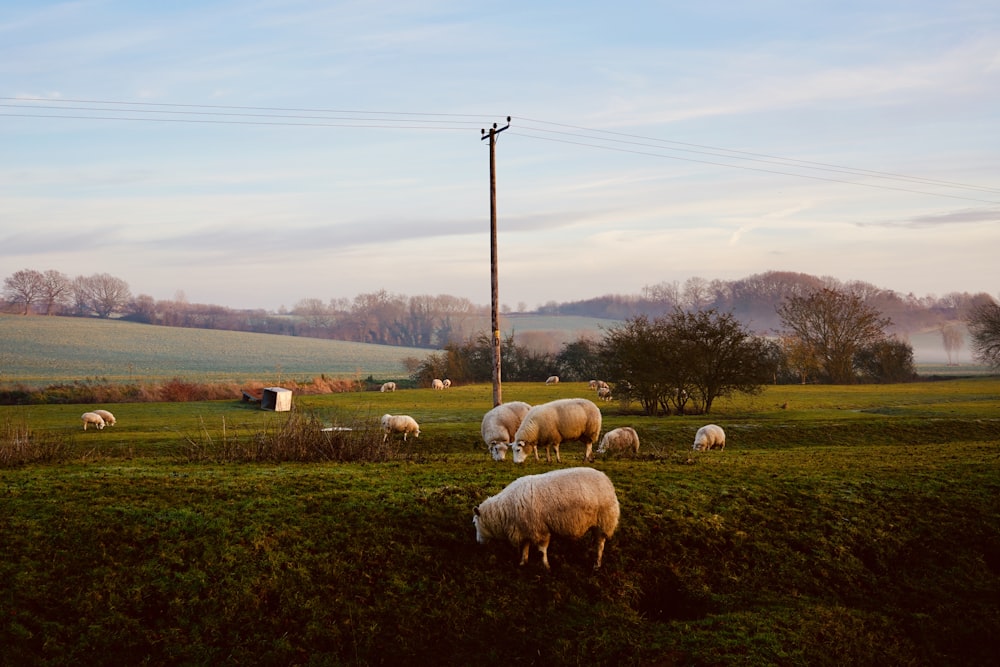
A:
[519,451]
[482,535]
[498,450]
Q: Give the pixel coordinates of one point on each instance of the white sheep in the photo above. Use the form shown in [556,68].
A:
[446,383]
[404,424]
[553,379]
[567,502]
[623,439]
[437,384]
[708,437]
[109,419]
[92,418]
[499,426]
[552,423]
[604,393]
[387,386]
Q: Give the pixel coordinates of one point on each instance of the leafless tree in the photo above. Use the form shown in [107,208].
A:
[24,287]
[835,325]
[56,290]
[101,294]
[953,339]
[984,327]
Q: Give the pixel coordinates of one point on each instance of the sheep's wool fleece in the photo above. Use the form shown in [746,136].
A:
[566,502]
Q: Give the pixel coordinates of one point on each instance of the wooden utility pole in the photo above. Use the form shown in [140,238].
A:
[495,299]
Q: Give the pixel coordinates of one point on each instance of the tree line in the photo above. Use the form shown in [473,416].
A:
[801,314]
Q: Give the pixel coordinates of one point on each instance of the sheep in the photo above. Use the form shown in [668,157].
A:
[567,502]
[552,423]
[553,379]
[437,384]
[404,424]
[592,384]
[604,393]
[622,439]
[387,386]
[92,418]
[109,419]
[446,383]
[499,426]
[708,437]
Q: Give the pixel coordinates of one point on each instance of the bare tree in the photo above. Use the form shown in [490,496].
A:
[56,290]
[835,325]
[953,339]
[984,327]
[101,294]
[23,287]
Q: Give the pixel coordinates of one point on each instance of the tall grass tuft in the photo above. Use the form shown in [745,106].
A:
[20,445]
[303,437]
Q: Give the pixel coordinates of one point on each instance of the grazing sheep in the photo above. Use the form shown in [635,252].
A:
[446,383]
[592,384]
[552,423]
[600,384]
[387,386]
[404,424]
[708,437]
[567,502]
[437,384]
[623,439]
[553,379]
[109,419]
[92,418]
[604,393]
[499,426]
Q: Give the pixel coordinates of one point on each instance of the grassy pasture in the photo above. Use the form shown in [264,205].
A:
[859,525]
[43,350]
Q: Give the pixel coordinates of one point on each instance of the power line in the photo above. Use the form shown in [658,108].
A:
[590,138]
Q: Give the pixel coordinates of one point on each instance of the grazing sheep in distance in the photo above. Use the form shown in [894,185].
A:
[552,379]
[437,384]
[404,424]
[499,426]
[567,502]
[109,419]
[623,439]
[604,393]
[708,437]
[552,423]
[446,383]
[387,386]
[92,418]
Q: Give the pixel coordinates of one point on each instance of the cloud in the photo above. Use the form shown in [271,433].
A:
[963,217]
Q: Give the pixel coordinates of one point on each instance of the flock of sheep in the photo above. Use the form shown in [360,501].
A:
[567,502]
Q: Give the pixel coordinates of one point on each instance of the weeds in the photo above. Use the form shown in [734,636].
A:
[20,445]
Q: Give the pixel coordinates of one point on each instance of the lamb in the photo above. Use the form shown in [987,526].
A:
[404,424]
[708,437]
[387,386]
[604,393]
[437,384]
[622,439]
[553,379]
[92,418]
[109,419]
[446,383]
[567,502]
[499,426]
[552,423]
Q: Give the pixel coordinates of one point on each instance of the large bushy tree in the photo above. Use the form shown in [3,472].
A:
[24,288]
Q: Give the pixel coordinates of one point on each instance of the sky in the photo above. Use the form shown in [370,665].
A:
[256,153]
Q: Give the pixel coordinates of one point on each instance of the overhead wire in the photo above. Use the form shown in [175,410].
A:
[529,128]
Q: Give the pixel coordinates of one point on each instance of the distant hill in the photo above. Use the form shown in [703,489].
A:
[41,350]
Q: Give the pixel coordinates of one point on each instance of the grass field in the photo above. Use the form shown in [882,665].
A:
[42,350]
[861,525]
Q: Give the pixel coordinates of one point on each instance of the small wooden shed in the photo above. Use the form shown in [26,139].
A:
[278,399]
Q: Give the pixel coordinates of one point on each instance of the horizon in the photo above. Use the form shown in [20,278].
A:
[259,156]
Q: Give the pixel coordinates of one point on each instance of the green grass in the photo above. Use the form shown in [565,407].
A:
[860,525]
[42,350]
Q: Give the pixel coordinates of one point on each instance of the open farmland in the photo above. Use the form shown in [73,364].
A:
[42,350]
[860,525]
